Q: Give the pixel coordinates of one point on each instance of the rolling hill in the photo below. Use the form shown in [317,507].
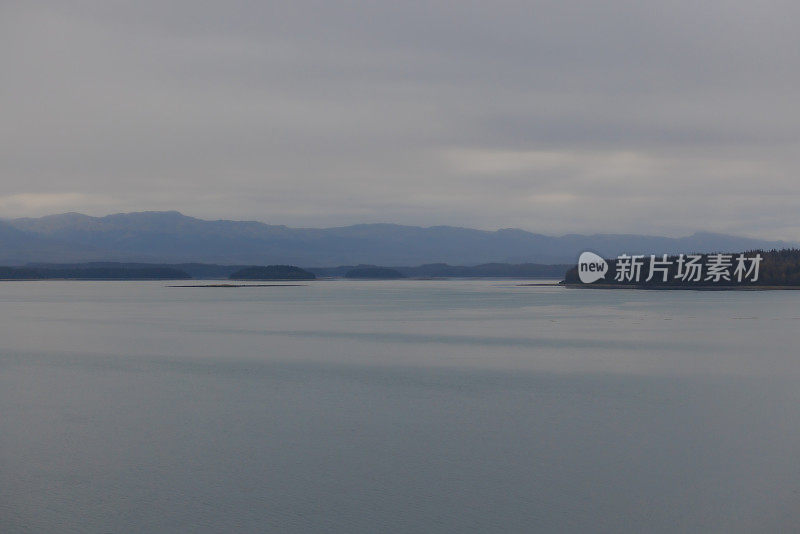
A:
[170,237]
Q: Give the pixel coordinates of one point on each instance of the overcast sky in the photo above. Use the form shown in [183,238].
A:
[660,117]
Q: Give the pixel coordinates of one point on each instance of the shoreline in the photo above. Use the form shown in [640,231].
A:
[240,285]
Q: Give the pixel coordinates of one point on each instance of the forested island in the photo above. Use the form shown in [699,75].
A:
[272,272]
[374,273]
[752,269]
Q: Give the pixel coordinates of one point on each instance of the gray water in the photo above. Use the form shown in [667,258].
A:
[403,406]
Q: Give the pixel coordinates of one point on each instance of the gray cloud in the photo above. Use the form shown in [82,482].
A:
[551,116]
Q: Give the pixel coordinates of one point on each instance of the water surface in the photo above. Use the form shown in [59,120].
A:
[402,406]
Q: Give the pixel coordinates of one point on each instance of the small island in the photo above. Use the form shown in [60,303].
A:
[272,272]
[374,273]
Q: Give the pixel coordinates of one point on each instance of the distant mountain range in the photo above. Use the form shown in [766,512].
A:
[170,237]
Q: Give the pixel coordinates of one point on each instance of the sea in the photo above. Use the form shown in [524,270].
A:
[408,406]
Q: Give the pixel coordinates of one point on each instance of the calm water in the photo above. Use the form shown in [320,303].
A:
[404,406]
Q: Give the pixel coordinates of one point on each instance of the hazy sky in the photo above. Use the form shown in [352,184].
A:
[619,116]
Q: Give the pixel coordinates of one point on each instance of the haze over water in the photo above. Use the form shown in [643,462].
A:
[403,406]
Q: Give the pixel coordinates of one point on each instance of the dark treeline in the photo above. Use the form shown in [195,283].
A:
[777,268]
[443,270]
[272,272]
[382,273]
[204,271]
[780,267]
[208,271]
[92,273]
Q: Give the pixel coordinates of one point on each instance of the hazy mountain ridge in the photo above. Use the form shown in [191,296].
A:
[173,237]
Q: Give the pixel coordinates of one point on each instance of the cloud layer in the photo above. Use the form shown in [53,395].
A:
[550,116]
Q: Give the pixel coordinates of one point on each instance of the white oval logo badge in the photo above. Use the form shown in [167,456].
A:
[591,267]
